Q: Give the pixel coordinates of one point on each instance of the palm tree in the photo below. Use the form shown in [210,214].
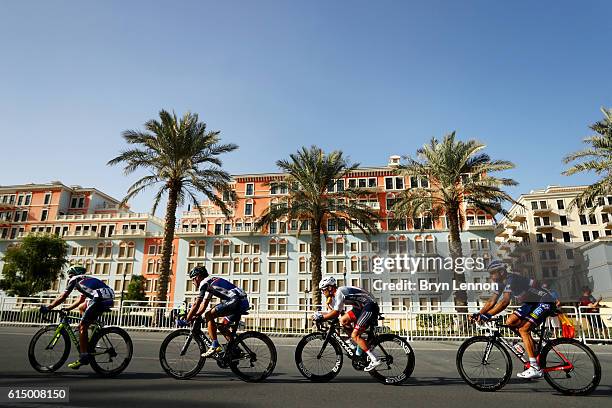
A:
[457,171]
[308,174]
[183,159]
[596,158]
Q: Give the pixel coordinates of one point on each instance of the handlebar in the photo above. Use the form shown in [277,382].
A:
[62,314]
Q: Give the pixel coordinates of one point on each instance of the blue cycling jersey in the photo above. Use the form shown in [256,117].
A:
[220,288]
[91,287]
[524,289]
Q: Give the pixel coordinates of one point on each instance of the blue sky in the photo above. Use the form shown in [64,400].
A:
[369,78]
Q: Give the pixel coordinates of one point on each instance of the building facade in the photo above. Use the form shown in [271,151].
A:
[543,235]
[271,264]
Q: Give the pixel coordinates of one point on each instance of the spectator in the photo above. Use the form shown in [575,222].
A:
[590,306]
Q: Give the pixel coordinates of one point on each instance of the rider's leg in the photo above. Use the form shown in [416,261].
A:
[346,321]
[210,317]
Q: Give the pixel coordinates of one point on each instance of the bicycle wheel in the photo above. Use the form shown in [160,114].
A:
[180,354]
[110,351]
[252,356]
[484,375]
[397,357]
[48,350]
[585,372]
[315,364]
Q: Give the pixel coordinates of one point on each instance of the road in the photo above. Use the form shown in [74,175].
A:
[435,382]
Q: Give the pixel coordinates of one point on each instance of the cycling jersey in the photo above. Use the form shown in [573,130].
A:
[524,289]
[350,295]
[220,288]
[90,287]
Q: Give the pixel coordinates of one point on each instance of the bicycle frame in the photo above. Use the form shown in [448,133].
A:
[196,330]
[65,326]
[333,332]
[495,334]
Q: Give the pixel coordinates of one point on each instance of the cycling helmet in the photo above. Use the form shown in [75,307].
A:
[198,271]
[76,270]
[325,282]
[496,266]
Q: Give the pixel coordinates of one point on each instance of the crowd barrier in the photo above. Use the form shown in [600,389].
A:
[293,320]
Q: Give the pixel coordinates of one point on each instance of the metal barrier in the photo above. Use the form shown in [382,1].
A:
[292,320]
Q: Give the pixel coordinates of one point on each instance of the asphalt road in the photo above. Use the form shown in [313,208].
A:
[435,382]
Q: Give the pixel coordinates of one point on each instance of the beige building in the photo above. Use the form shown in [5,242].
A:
[542,237]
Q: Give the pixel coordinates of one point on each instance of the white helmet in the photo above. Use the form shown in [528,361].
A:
[325,282]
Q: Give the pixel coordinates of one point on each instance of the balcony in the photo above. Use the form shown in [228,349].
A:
[605,209]
[129,233]
[111,216]
[478,225]
[513,225]
[242,232]
[89,234]
[189,232]
[540,212]
[518,217]
[608,225]
[544,228]
[521,231]
[7,206]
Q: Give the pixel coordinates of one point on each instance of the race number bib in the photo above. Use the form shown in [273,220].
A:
[104,293]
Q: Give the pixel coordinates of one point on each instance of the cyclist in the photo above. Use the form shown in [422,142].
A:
[364,313]
[234,303]
[537,305]
[96,298]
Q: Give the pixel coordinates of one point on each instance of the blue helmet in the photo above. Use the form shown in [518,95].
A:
[496,266]
[76,270]
[198,271]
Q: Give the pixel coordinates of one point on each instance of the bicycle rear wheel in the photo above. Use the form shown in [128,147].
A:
[484,364]
[252,356]
[110,351]
[48,350]
[180,354]
[397,357]
[583,371]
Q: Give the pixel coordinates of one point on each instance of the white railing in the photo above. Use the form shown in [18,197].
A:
[292,320]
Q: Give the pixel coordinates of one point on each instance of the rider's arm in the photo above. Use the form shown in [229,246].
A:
[204,305]
[58,300]
[501,305]
[76,303]
[490,303]
[194,309]
[331,315]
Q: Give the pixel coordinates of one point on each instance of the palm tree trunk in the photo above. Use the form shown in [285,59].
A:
[315,262]
[162,288]
[456,251]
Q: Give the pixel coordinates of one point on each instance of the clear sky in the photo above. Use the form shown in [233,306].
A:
[372,78]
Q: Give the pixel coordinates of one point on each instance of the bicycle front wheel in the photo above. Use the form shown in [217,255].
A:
[570,367]
[252,356]
[484,364]
[49,349]
[316,363]
[110,351]
[180,354]
[397,357]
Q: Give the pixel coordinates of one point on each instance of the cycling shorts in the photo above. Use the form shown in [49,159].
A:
[95,308]
[232,309]
[535,312]
[364,316]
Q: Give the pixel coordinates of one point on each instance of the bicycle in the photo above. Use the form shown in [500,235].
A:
[250,355]
[319,355]
[110,347]
[490,367]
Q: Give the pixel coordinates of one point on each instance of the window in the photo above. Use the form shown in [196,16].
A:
[585,236]
[563,220]
[248,209]
[249,189]
[44,214]
[583,219]
[560,204]
[566,237]
[47,198]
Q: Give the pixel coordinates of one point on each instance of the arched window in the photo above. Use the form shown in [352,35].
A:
[402,245]
[354,264]
[192,249]
[419,247]
[256,265]
[217,248]
[329,246]
[339,246]
[282,247]
[236,265]
[302,265]
[226,247]
[201,249]
[273,248]
[246,266]
[391,246]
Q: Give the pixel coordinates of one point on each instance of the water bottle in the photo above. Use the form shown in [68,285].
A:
[517,347]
